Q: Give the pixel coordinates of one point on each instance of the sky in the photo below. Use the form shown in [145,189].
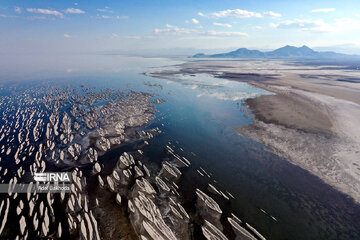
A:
[63,26]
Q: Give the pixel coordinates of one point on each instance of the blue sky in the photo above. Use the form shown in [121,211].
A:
[90,26]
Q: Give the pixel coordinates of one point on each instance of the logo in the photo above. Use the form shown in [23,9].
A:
[52,177]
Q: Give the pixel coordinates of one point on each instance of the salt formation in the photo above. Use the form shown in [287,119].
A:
[211,232]
[71,129]
[241,233]
[208,208]
[118,199]
[255,231]
[47,127]
[155,213]
[80,217]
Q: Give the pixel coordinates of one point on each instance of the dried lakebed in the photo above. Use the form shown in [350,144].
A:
[311,120]
[305,206]
[75,129]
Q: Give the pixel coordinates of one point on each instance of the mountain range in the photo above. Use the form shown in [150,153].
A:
[289,52]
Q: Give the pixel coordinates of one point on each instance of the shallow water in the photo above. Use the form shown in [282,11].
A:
[199,115]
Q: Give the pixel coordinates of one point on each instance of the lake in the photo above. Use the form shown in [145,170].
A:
[198,117]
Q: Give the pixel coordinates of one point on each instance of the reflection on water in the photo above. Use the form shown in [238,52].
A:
[199,115]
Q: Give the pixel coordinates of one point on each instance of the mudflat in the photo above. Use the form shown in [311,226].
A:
[290,111]
[311,115]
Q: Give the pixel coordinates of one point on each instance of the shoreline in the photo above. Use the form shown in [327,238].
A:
[310,120]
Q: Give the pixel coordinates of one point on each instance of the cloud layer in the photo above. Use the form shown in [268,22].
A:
[74,11]
[305,25]
[222,24]
[236,13]
[226,34]
[45,11]
[324,10]
[170,29]
[18,9]
[240,13]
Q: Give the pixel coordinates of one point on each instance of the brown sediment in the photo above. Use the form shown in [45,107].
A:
[119,226]
[313,131]
[290,111]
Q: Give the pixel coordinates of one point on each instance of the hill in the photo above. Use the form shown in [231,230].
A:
[287,52]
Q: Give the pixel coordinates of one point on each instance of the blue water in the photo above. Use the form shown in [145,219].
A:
[199,115]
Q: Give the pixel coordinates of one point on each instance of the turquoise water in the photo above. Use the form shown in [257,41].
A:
[199,115]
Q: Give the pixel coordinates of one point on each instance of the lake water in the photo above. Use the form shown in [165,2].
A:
[199,117]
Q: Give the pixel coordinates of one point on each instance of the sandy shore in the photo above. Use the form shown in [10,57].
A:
[313,119]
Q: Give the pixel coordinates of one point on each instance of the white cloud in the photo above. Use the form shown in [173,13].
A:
[305,25]
[274,25]
[18,9]
[272,14]
[121,17]
[45,11]
[258,27]
[324,10]
[340,24]
[347,24]
[226,34]
[106,9]
[236,13]
[195,21]
[112,17]
[40,18]
[7,16]
[201,14]
[74,11]
[222,24]
[170,29]
[114,35]
[357,15]
[66,35]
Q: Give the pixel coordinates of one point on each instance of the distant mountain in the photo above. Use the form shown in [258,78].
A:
[291,52]
[241,52]
[342,48]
